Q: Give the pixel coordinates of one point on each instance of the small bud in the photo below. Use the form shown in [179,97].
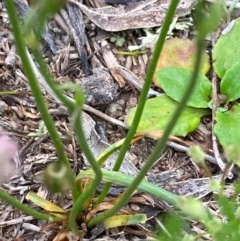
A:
[197,154]
[193,207]
[9,159]
[216,186]
[232,153]
[56,177]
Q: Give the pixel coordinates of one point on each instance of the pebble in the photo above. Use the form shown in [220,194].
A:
[100,88]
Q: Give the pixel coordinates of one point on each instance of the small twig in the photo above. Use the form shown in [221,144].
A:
[133,80]
[62,24]
[16,221]
[104,116]
[215,104]
[216,152]
[182,148]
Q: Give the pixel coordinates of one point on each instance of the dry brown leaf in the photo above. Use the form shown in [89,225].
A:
[144,14]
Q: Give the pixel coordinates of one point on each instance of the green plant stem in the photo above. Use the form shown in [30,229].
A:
[102,159]
[159,146]
[51,83]
[158,149]
[79,131]
[27,210]
[78,205]
[48,121]
[82,197]
[37,93]
[11,92]
[144,92]
[71,106]
[125,180]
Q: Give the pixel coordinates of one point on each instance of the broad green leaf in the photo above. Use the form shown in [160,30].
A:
[226,52]
[157,114]
[123,220]
[180,53]
[227,127]
[173,80]
[230,83]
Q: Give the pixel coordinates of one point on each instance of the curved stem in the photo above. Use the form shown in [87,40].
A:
[51,83]
[78,205]
[47,119]
[33,82]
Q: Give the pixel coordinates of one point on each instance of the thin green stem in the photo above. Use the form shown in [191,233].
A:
[78,205]
[144,92]
[51,83]
[33,82]
[160,145]
[80,199]
[27,210]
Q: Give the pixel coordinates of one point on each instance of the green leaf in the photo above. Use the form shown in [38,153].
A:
[230,83]
[227,126]
[178,52]
[157,114]
[125,180]
[226,52]
[173,80]
[119,41]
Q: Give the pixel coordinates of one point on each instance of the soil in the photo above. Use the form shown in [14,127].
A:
[20,119]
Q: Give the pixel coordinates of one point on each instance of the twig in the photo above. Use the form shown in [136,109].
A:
[133,80]
[182,148]
[215,104]
[104,116]
[216,152]
[15,221]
